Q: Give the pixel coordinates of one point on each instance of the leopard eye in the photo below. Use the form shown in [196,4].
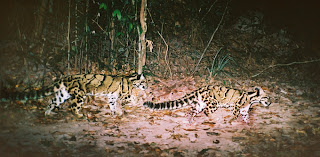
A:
[265,101]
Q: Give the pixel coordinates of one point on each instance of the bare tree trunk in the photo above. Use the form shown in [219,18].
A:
[142,52]
[40,25]
[77,57]
[87,40]
[68,37]
[112,35]
[41,18]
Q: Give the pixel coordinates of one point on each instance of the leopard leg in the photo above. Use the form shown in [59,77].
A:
[192,114]
[244,113]
[198,106]
[112,100]
[51,106]
[236,111]
[77,101]
[211,108]
[59,98]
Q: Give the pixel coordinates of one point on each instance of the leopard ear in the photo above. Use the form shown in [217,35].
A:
[141,77]
[259,90]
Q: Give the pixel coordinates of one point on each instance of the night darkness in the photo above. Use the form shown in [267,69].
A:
[300,17]
[246,74]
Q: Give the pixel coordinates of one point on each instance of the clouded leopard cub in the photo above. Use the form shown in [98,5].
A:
[210,98]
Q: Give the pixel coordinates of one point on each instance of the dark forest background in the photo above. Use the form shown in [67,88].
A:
[104,36]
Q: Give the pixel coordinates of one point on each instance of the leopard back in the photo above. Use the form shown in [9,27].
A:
[210,98]
[78,87]
[113,87]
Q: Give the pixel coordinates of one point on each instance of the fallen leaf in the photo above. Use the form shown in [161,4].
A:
[190,129]
[216,142]
[213,133]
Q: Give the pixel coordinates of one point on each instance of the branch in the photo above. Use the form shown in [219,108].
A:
[279,65]
[208,10]
[99,26]
[165,58]
[213,34]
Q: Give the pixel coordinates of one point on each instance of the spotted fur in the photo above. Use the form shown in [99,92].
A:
[78,87]
[210,98]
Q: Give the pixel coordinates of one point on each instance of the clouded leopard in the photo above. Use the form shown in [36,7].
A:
[78,87]
[210,98]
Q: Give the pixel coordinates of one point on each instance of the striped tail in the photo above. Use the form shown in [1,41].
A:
[189,99]
[168,105]
[23,96]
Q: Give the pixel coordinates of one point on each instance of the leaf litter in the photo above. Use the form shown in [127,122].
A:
[285,127]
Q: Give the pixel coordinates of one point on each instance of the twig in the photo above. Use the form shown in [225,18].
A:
[96,23]
[165,58]
[99,26]
[150,16]
[288,64]
[213,34]
[208,10]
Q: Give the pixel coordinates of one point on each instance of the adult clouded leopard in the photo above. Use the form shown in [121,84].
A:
[210,98]
[78,87]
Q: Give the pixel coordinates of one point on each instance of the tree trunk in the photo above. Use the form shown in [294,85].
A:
[142,52]
[41,19]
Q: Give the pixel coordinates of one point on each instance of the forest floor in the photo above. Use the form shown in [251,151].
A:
[290,126]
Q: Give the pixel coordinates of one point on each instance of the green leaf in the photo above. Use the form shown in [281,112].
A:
[103,5]
[140,30]
[130,27]
[87,29]
[119,33]
[117,13]
[73,48]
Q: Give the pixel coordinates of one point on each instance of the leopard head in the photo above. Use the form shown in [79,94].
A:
[259,96]
[139,81]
